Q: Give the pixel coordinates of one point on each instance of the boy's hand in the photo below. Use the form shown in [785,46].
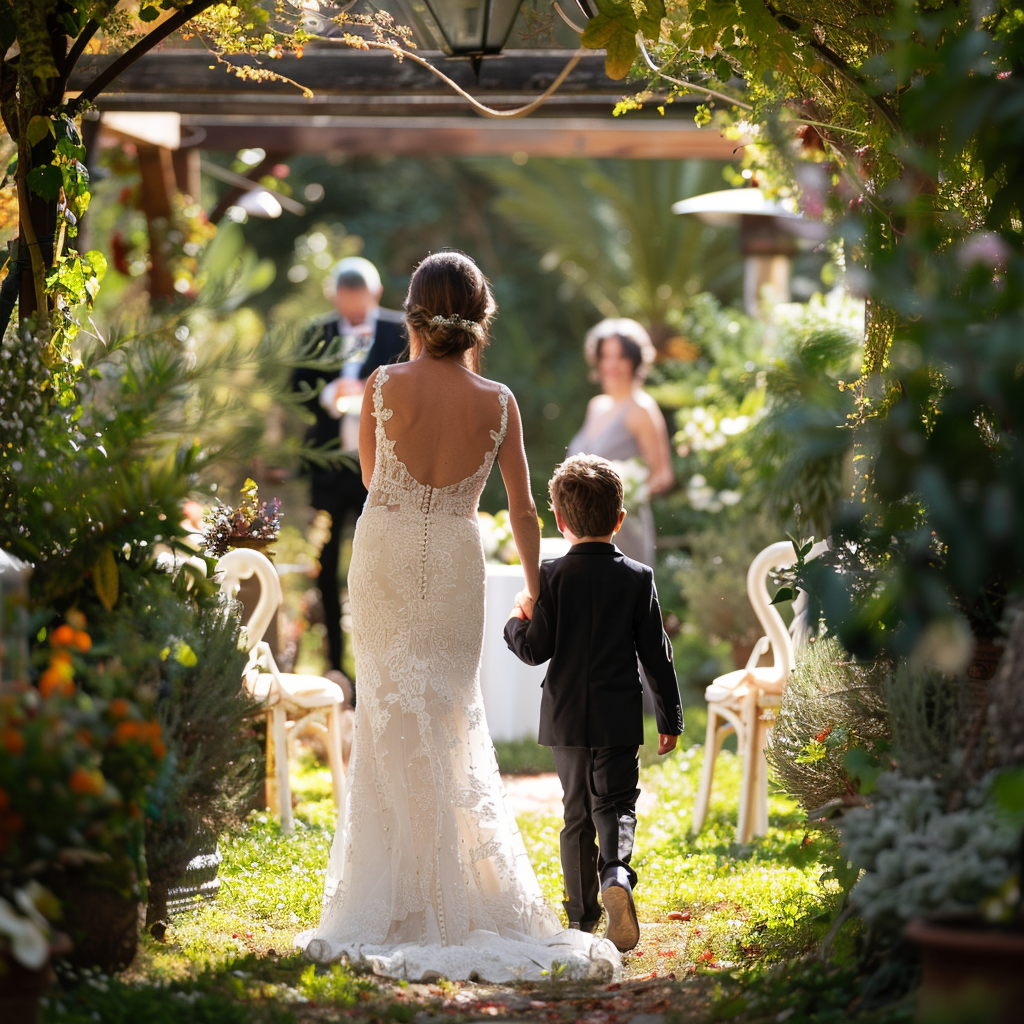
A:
[666,744]
[524,606]
[516,613]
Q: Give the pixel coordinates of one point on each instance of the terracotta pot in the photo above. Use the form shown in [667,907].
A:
[253,543]
[967,958]
[21,990]
[100,908]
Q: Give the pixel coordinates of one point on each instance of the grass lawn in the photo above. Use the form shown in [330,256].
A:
[710,910]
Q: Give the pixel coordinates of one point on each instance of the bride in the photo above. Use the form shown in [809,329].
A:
[428,875]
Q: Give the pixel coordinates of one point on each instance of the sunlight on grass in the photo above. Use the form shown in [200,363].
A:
[234,959]
[739,901]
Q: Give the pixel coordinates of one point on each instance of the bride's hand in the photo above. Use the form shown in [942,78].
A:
[524,605]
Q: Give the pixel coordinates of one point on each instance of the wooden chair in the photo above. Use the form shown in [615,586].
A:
[745,701]
[285,693]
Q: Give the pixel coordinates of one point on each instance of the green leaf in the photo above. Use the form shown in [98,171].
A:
[37,129]
[620,53]
[863,769]
[1008,793]
[650,20]
[46,181]
[70,150]
[149,13]
[105,578]
[600,29]
[784,594]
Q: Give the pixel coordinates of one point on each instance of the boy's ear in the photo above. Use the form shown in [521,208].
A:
[618,525]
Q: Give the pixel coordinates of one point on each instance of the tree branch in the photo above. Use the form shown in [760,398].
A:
[78,48]
[837,62]
[129,57]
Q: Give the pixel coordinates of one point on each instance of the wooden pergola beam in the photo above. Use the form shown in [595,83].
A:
[367,102]
[423,136]
[342,71]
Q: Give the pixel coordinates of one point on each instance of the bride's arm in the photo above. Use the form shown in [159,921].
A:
[367,434]
[521,508]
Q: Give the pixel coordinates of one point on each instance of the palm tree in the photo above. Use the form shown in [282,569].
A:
[607,227]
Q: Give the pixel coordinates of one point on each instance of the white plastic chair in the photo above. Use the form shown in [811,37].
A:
[284,693]
[745,701]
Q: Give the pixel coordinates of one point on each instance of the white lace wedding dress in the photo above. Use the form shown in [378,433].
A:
[428,875]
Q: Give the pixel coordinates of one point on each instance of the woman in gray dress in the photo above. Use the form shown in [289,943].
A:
[624,424]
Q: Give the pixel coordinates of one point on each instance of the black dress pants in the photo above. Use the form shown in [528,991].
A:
[342,495]
[599,794]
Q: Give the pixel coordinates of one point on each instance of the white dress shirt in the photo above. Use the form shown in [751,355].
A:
[356,341]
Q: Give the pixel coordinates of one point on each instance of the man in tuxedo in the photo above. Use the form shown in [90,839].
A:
[369,337]
[597,614]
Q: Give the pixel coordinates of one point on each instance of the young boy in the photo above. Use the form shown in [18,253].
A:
[597,614]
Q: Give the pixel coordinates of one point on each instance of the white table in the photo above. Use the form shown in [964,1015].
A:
[511,690]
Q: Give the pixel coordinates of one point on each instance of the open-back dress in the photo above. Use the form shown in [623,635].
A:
[428,875]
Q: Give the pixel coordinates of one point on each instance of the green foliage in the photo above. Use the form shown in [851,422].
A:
[808,990]
[803,442]
[215,761]
[920,856]
[214,997]
[338,986]
[605,227]
[523,757]
[832,707]
[714,584]
[614,29]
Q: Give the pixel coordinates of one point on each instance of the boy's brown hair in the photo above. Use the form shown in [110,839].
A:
[587,493]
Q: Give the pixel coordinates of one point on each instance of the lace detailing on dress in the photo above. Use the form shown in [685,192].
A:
[428,873]
[393,485]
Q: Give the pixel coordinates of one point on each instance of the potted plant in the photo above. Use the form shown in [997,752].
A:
[74,777]
[249,524]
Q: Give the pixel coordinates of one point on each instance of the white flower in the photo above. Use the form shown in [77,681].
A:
[29,940]
[635,489]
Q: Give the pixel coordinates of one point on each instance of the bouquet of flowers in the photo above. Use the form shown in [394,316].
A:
[250,521]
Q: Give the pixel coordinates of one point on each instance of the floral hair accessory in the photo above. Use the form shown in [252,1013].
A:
[455,321]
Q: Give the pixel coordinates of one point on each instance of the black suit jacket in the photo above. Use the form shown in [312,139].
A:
[598,612]
[340,486]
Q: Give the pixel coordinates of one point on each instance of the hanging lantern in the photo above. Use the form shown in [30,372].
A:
[469,28]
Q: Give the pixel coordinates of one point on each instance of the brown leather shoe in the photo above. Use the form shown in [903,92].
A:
[623,926]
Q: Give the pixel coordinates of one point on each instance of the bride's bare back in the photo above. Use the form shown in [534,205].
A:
[442,419]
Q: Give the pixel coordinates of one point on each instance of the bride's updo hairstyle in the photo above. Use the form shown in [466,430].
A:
[450,305]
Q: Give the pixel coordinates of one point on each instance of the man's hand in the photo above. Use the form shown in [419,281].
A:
[666,744]
[349,386]
[524,606]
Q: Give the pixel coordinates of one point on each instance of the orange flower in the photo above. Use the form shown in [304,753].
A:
[54,682]
[82,641]
[12,740]
[61,658]
[119,708]
[159,748]
[125,731]
[85,782]
[62,636]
